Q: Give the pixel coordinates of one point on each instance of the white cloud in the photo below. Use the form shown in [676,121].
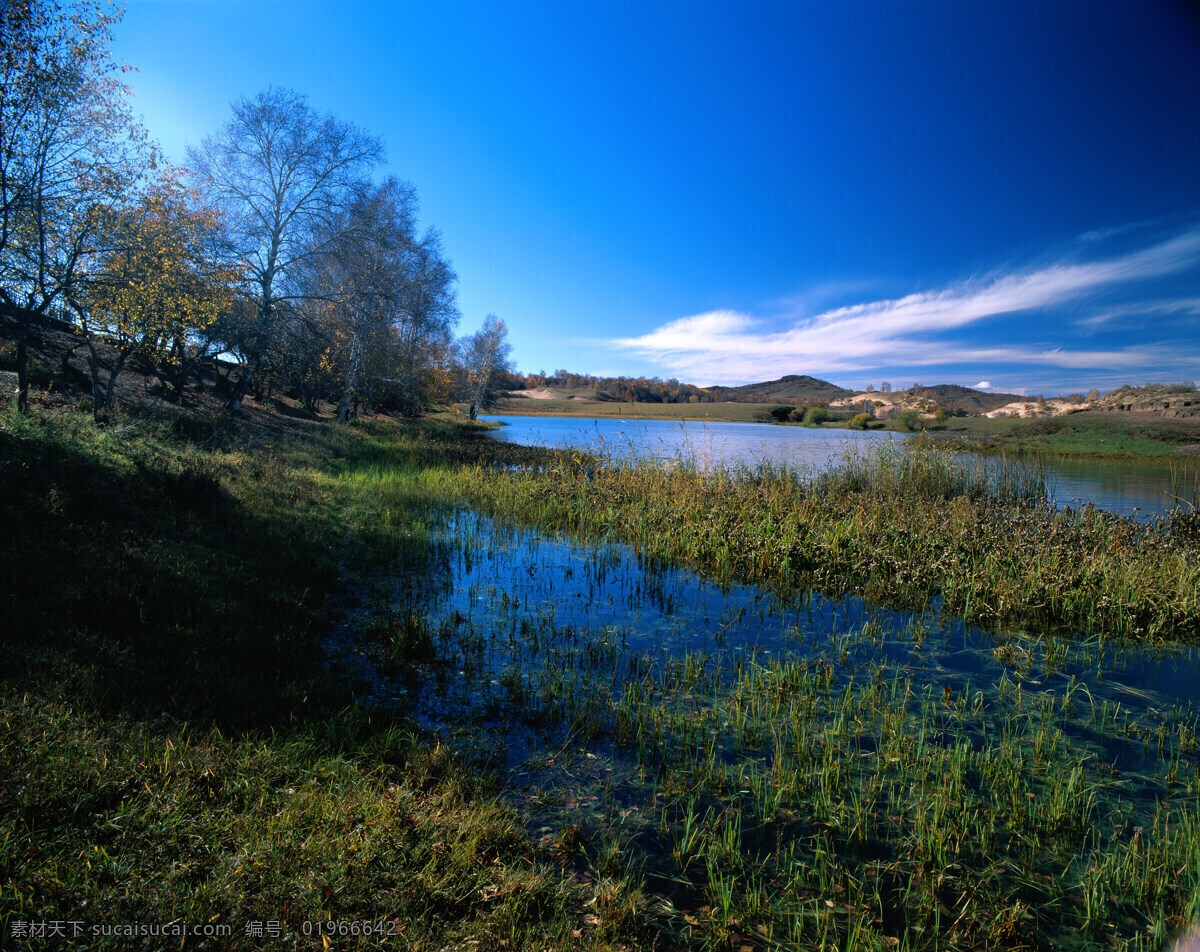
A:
[727,346]
[1187,307]
[983,385]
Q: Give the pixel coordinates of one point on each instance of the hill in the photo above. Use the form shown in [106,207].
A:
[793,388]
[1169,400]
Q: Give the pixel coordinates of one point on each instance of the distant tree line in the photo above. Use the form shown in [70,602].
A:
[273,245]
[626,389]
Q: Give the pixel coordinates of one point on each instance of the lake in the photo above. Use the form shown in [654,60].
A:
[719,736]
[1125,487]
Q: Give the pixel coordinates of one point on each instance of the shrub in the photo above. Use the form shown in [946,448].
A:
[860,421]
[909,419]
[815,416]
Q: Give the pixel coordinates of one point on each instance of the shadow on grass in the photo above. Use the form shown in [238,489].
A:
[133,574]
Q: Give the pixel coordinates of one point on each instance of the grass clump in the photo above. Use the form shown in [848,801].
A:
[900,525]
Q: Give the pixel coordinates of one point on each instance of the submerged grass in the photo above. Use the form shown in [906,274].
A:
[171,749]
[900,525]
[836,799]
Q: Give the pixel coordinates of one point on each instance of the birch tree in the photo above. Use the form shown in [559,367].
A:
[383,297]
[283,174]
[484,354]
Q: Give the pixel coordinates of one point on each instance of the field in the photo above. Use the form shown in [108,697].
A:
[1089,433]
[484,696]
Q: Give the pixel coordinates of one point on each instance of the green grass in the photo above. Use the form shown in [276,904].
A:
[171,748]
[1087,434]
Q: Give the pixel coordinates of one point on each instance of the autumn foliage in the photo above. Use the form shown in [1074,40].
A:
[273,246]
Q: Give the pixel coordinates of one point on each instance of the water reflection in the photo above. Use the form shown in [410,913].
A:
[1127,488]
[508,604]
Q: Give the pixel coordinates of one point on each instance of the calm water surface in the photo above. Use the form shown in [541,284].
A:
[1126,488]
[517,601]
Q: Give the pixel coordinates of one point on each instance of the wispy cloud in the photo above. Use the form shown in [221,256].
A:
[916,330]
[1185,307]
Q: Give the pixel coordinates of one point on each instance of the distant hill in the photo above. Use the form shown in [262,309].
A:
[802,390]
[794,388]
[954,397]
[1171,400]
[961,401]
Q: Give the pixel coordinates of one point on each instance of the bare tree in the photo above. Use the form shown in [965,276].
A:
[284,174]
[70,152]
[484,354]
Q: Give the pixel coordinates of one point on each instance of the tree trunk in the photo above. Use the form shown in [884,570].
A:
[97,390]
[102,397]
[179,369]
[348,397]
[22,371]
[234,404]
[112,378]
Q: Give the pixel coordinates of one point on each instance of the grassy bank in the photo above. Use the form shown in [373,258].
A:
[1088,434]
[172,748]
[896,526]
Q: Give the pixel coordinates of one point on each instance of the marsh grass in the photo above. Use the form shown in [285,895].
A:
[171,747]
[795,802]
[830,803]
[900,525]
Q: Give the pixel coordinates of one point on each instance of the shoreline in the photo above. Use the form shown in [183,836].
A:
[991,437]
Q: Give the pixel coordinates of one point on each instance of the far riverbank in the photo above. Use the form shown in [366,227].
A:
[1094,435]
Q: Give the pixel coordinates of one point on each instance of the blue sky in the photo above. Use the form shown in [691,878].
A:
[943,192]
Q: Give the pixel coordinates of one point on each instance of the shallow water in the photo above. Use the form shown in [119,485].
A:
[512,601]
[1127,488]
[540,643]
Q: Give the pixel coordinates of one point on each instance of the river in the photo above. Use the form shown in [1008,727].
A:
[1129,488]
